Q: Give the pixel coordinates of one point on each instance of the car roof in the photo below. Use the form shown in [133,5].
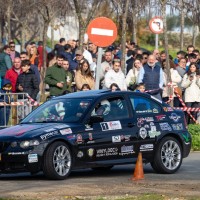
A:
[94,94]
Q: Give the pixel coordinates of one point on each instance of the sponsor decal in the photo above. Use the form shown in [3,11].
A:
[16,153]
[88,127]
[143,133]
[126,150]
[66,131]
[152,124]
[146,126]
[168,109]
[177,127]
[165,127]
[113,125]
[116,138]
[79,139]
[155,110]
[107,152]
[80,154]
[146,147]
[153,134]
[127,138]
[49,135]
[160,117]
[90,152]
[174,117]
[71,136]
[62,126]
[90,136]
[141,120]
[32,158]
[153,128]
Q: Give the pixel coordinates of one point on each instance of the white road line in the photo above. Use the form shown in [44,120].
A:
[100,31]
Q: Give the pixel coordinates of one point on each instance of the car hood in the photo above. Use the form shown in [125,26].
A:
[32,130]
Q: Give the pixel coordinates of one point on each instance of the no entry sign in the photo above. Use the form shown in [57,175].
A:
[102,31]
[156,25]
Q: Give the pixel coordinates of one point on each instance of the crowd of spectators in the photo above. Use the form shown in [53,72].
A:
[71,69]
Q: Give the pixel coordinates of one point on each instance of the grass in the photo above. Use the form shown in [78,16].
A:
[139,197]
[172,51]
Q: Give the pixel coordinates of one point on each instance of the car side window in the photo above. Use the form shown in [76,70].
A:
[143,105]
[111,109]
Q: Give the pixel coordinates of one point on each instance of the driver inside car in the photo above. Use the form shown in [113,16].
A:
[102,108]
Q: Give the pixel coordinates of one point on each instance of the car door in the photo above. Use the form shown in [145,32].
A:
[114,137]
[148,114]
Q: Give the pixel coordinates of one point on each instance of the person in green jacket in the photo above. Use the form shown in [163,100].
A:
[56,78]
[5,60]
[69,76]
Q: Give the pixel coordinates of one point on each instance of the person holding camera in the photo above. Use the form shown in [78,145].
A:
[191,83]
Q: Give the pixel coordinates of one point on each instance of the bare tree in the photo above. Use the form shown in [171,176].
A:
[136,9]
[125,5]
[163,12]
[85,11]
[48,9]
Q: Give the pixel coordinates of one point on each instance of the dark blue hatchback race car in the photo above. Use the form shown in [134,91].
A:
[95,129]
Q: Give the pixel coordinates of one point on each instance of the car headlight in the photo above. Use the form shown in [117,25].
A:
[29,143]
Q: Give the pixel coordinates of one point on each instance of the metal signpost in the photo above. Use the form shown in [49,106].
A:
[102,32]
[156,26]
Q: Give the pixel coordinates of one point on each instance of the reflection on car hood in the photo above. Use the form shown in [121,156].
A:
[30,130]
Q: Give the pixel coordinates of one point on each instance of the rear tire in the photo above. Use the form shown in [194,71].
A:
[168,156]
[57,161]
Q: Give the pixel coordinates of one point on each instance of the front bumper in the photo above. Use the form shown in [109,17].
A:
[11,162]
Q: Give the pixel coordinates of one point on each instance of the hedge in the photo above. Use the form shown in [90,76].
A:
[195,132]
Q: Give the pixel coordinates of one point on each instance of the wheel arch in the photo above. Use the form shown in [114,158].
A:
[59,140]
[176,136]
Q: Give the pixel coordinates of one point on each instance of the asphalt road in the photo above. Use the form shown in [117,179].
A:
[186,182]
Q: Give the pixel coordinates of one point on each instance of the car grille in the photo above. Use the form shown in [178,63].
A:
[3,146]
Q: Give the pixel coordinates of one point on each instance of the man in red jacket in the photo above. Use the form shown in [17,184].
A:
[13,73]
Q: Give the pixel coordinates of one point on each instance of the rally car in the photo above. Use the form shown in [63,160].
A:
[95,129]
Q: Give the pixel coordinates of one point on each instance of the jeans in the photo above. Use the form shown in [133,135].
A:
[4,115]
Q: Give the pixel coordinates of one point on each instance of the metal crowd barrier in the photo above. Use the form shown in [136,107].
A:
[13,108]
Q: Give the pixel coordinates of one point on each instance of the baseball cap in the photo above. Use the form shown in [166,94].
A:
[79,52]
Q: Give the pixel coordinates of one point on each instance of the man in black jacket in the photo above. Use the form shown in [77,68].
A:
[27,81]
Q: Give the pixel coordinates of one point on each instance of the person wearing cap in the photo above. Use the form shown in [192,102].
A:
[115,75]
[79,56]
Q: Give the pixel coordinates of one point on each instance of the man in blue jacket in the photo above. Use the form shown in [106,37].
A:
[151,75]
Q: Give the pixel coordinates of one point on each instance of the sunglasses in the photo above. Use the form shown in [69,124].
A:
[12,46]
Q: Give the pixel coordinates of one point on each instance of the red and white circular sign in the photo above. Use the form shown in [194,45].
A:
[156,25]
[102,31]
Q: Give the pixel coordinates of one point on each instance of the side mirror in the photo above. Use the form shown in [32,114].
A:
[96,119]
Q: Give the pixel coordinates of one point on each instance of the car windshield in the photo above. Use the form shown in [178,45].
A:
[62,110]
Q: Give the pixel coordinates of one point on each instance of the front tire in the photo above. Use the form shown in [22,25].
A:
[168,156]
[57,161]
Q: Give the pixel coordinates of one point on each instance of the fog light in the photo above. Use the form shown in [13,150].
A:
[13,144]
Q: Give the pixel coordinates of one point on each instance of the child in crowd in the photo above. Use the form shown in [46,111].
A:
[85,87]
[6,98]
[141,87]
[114,87]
